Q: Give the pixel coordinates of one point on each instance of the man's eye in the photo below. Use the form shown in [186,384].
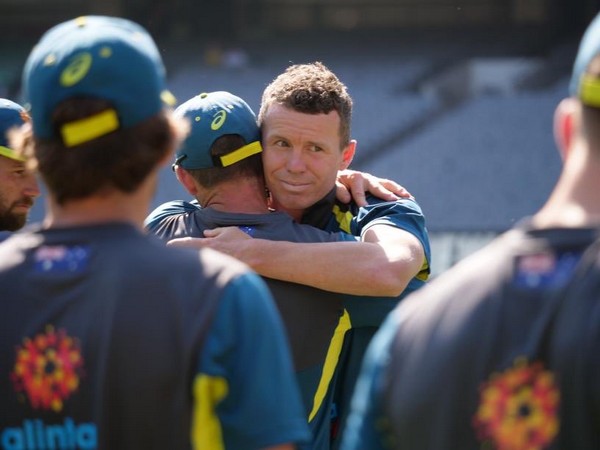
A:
[281,144]
[315,148]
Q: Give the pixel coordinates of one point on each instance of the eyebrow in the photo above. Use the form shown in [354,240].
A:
[278,136]
[17,164]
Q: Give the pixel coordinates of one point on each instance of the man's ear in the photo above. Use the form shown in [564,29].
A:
[566,118]
[186,180]
[348,154]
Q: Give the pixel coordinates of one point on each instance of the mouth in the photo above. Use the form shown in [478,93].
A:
[24,204]
[295,185]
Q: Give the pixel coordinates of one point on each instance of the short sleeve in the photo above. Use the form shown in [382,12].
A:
[404,214]
[245,393]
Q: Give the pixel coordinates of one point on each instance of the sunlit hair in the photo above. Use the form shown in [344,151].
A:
[310,89]
[120,160]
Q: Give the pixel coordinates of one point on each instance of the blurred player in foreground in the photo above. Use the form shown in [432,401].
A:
[501,351]
[110,339]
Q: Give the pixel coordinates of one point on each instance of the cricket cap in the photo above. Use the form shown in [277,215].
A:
[584,85]
[100,57]
[211,116]
[11,115]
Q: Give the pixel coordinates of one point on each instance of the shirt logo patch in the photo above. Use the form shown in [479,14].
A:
[47,369]
[518,408]
[60,258]
[545,270]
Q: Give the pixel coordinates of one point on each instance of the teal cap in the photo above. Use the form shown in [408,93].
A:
[11,115]
[583,85]
[211,116]
[95,56]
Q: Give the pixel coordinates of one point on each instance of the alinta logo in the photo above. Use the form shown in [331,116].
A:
[47,369]
[518,408]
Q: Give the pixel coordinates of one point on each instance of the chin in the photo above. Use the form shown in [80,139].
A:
[297,202]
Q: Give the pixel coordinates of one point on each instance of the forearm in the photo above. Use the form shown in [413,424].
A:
[357,268]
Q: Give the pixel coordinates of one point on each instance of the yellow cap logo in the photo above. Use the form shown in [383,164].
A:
[76,70]
[219,120]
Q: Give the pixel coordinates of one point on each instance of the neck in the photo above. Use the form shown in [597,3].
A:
[105,207]
[246,196]
[574,201]
[295,213]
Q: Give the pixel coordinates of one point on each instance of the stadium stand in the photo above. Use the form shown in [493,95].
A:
[454,155]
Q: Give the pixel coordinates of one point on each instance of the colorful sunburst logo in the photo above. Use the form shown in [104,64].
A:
[518,408]
[48,368]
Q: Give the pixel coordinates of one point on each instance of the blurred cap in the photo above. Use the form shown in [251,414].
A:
[11,115]
[95,56]
[211,116]
[584,85]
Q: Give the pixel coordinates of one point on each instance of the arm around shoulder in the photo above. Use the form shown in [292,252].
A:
[381,265]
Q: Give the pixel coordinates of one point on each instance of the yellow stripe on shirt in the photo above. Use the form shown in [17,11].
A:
[206,429]
[343,219]
[331,361]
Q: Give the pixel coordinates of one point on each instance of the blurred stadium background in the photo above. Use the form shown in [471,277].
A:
[453,98]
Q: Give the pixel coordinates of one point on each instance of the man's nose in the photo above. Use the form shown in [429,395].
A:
[32,187]
[295,162]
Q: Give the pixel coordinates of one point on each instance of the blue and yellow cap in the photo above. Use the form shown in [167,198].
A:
[211,116]
[95,56]
[11,115]
[583,85]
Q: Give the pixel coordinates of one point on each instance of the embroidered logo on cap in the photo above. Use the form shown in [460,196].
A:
[77,69]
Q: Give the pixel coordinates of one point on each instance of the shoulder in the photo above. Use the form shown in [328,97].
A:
[168,209]
[404,214]
[167,219]
[467,297]
[13,245]
[378,206]
[218,265]
[204,263]
[461,318]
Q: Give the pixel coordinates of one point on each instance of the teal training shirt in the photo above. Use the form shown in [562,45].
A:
[111,340]
[511,353]
[366,314]
[314,319]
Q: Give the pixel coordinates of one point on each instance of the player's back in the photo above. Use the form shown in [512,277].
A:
[102,329]
[501,351]
[314,319]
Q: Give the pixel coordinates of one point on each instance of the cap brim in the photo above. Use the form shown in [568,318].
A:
[10,153]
